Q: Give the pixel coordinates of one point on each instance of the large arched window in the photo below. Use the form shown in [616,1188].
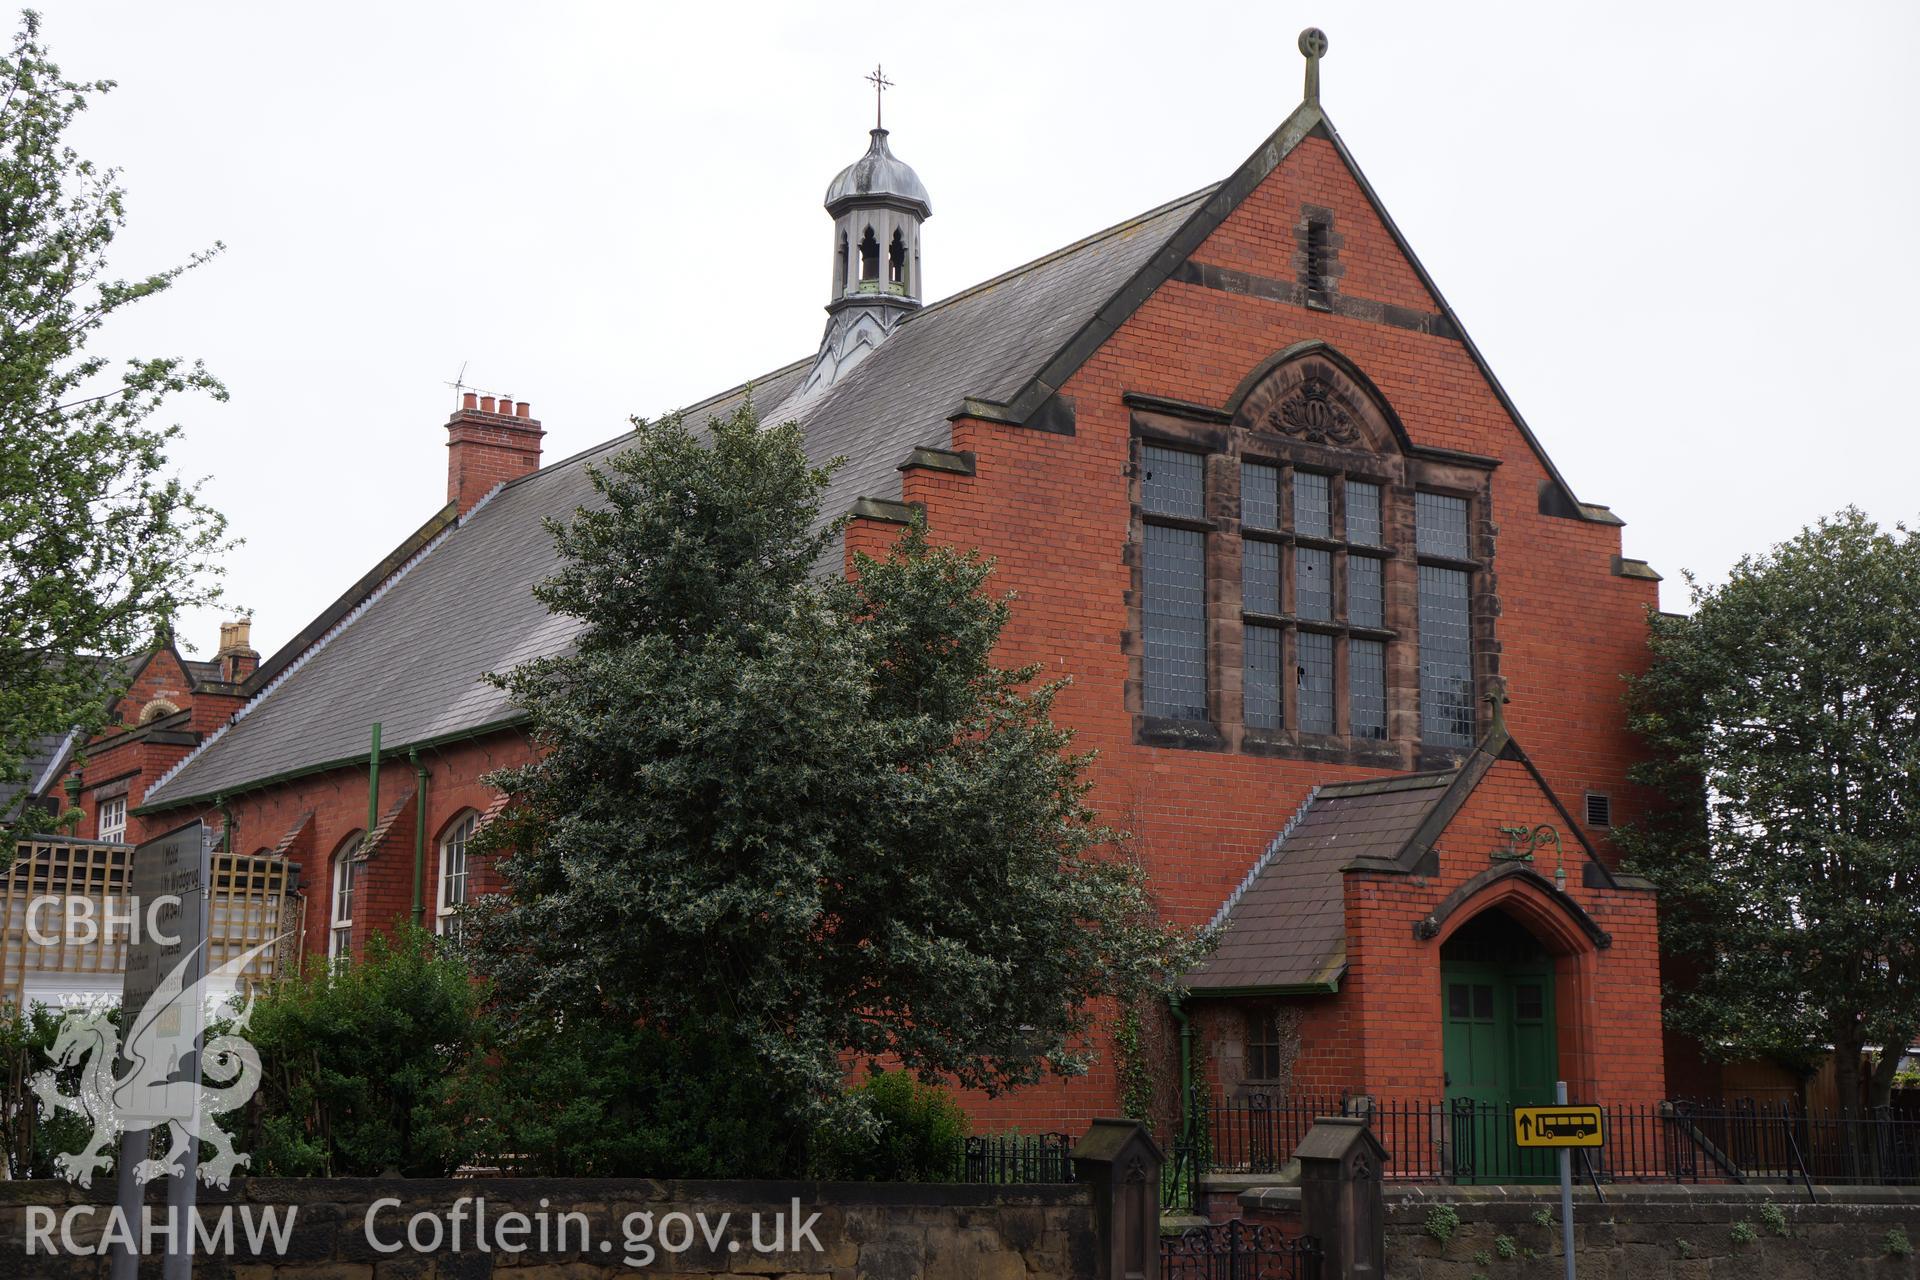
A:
[346,878]
[1306,576]
[453,873]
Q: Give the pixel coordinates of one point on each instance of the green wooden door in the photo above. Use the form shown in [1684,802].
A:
[1500,1052]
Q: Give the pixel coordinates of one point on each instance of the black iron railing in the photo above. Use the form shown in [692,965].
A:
[1258,1134]
[1238,1250]
[1466,1142]
[1017,1158]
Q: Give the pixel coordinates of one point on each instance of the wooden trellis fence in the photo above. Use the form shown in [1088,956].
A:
[253,899]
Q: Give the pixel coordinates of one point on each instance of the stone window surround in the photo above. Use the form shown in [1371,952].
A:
[1227,440]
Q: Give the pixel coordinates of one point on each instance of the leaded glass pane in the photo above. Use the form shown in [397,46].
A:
[1175,623]
[1446,658]
[1363,513]
[1440,525]
[1316,683]
[1313,583]
[1259,496]
[1312,508]
[1365,606]
[1171,484]
[1367,682]
[1260,576]
[1261,683]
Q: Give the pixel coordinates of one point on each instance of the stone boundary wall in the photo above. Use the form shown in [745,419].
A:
[875,1231]
[1655,1232]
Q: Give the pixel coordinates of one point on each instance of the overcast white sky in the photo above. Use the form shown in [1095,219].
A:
[1684,235]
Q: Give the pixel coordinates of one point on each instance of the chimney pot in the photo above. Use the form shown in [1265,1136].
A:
[471,400]
[236,657]
[483,454]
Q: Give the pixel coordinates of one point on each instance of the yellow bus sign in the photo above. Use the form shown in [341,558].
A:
[1562,1126]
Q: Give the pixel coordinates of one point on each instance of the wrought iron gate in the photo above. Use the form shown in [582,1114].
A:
[1238,1250]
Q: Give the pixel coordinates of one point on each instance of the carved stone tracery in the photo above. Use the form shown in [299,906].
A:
[1314,414]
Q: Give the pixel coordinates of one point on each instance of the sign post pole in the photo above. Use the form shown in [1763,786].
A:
[1566,1186]
[163,1025]
[133,1149]
[1564,1127]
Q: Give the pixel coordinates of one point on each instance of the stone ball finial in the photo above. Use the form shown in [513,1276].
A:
[1313,42]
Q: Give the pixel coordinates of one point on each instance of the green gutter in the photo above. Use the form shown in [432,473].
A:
[373,781]
[328,766]
[419,837]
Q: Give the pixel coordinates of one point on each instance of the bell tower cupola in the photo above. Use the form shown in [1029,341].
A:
[877,204]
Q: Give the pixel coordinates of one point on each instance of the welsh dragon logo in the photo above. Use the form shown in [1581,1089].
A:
[148,1092]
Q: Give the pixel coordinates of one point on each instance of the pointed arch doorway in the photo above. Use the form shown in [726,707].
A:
[1500,1041]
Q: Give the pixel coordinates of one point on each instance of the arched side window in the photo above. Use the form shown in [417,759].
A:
[346,878]
[1309,583]
[453,874]
[869,257]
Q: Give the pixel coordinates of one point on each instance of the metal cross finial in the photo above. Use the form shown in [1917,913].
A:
[1313,43]
[880,85]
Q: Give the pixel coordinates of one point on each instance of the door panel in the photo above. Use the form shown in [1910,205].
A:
[1500,1049]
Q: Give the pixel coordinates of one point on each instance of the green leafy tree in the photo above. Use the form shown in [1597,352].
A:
[33,1139]
[806,821]
[918,1135]
[574,1097]
[372,1067]
[1784,713]
[99,545]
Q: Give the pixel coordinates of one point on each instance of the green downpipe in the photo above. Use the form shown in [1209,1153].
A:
[1186,1070]
[419,839]
[226,825]
[373,782]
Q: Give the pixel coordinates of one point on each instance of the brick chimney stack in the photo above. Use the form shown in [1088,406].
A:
[236,656]
[488,443]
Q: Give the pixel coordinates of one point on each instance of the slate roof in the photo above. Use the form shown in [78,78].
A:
[40,756]
[50,751]
[413,656]
[1286,926]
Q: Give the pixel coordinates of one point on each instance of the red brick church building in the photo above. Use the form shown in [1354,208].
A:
[1260,496]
